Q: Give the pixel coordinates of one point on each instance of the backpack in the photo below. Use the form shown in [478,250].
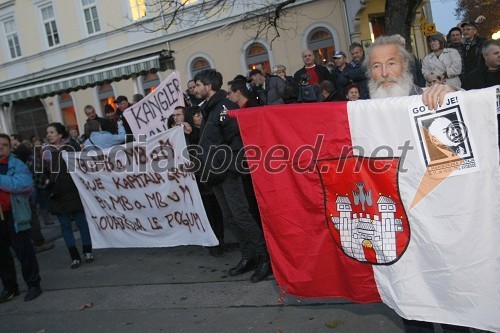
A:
[307,94]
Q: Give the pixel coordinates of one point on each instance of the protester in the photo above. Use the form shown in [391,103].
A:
[355,70]
[328,91]
[352,92]
[15,215]
[64,200]
[91,114]
[487,74]
[137,98]
[388,69]
[239,93]
[180,120]
[96,137]
[121,105]
[189,97]
[313,72]
[433,79]
[74,139]
[194,117]
[25,154]
[341,81]
[20,150]
[41,197]
[471,48]
[455,40]
[220,133]
[269,88]
[442,61]
[109,113]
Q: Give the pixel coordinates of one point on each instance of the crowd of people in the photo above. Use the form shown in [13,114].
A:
[387,70]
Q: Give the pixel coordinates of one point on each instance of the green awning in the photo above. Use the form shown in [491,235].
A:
[87,79]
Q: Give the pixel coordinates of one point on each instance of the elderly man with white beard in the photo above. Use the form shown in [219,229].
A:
[387,66]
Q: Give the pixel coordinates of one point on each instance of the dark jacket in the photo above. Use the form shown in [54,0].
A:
[23,153]
[62,191]
[481,78]
[355,72]
[341,82]
[472,57]
[106,124]
[128,130]
[322,72]
[220,140]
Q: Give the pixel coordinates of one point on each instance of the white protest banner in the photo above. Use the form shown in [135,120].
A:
[149,116]
[141,194]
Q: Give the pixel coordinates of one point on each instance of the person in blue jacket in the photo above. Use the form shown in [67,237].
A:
[103,139]
[15,214]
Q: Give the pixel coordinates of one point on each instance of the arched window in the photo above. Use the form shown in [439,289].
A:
[106,95]
[257,53]
[150,82]
[68,111]
[198,64]
[320,41]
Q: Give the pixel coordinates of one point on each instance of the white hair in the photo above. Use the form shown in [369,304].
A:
[402,86]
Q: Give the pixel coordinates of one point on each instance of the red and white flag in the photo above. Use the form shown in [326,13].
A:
[357,204]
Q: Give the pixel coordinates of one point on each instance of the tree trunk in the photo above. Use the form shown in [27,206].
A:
[399,17]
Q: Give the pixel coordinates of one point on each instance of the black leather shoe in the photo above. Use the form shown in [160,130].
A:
[243,266]
[33,292]
[263,270]
[7,295]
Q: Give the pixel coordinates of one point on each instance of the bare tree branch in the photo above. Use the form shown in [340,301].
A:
[266,20]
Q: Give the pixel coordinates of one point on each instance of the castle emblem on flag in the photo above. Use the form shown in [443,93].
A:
[368,223]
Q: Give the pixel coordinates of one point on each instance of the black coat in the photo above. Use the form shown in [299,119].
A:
[62,191]
[481,78]
[356,73]
[220,141]
[322,72]
[472,57]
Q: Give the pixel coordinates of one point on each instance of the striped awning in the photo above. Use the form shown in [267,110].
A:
[87,79]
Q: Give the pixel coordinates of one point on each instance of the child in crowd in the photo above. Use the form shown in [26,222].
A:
[352,92]
[433,79]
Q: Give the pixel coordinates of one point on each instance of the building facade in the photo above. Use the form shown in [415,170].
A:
[58,56]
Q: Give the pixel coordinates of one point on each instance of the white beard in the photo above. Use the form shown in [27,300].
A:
[401,86]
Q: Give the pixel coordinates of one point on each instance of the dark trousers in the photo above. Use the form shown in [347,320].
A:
[234,205]
[252,200]
[214,215]
[415,326]
[25,252]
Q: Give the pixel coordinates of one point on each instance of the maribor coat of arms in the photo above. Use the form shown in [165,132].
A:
[363,208]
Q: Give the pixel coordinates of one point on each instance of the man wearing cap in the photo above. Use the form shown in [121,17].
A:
[269,88]
[341,81]
[471,48]
[121,105]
